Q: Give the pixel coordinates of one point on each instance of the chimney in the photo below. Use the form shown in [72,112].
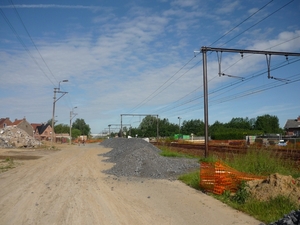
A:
[298,119]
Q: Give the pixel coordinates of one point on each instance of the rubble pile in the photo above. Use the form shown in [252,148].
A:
[14,137]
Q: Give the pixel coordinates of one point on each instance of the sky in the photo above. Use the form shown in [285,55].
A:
[144,57]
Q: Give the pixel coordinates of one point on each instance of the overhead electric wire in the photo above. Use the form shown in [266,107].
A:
[241,23]
[230,85]
[22,43]
[258,22]
[257,90]
[175,80]
[36,48]
[249,78]
[242,94]
[188,101]
[164,109]
[16,11]
[231,31]
[149,97]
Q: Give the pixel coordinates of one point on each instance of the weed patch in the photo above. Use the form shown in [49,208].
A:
[6,164]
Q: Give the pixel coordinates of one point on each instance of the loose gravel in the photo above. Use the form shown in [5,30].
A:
[136,157]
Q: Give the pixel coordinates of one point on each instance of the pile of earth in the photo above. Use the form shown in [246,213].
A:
[136,157]
[275,185]
[15,137]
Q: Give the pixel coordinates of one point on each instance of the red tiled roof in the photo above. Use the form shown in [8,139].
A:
[5,121]
[35,125]
[16,122]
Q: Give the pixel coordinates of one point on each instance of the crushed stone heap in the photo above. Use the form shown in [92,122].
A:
[135,157]
[15,137]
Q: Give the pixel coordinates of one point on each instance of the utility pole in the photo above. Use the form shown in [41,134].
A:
[205,49]
[72,115]
[56,90]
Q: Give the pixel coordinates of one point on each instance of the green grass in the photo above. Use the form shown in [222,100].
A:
[167,152]
[6,164]
[271,210]
[191,179]
[257,162]
[262,162]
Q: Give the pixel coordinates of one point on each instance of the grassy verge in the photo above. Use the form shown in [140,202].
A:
[167,152]
[257,162]
[6,164]
[262,162]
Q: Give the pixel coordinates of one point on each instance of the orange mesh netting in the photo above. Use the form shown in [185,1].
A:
[218,177]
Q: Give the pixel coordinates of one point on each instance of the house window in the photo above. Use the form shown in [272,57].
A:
[4,125]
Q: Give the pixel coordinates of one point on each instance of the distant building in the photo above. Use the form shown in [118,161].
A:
[292,127]
[24,125]
[4,122]
[42,131]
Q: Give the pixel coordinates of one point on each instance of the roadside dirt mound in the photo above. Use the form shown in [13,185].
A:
[275,185]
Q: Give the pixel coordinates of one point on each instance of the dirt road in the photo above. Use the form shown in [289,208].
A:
[68,187]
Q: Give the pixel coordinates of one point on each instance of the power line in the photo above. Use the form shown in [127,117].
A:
[151,95]
[233,85]
[22,43]
[16,11]
[258,22]
[241,23]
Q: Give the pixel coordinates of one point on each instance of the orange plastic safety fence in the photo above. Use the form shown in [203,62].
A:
[218,177]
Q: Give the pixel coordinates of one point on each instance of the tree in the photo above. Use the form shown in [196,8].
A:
[267,123]
[75,133]
[193,126]
[82,126]
[148,126]
[216,127]
[61,128]
[239,123]
[167,129]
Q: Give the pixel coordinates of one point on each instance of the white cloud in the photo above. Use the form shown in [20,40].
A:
[45,6]
[228,7]
[285,41]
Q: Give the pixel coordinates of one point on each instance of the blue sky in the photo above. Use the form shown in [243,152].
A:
[141,57]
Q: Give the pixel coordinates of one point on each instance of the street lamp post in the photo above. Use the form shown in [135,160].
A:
[72,115]
[56,90]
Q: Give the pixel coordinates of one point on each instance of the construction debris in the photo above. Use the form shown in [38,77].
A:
[14,137]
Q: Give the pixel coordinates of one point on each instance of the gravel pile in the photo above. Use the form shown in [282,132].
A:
[291,219]
[137,158]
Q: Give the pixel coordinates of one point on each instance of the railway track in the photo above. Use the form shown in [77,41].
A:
[227,150]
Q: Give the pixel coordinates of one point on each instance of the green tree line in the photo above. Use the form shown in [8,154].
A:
[236,128]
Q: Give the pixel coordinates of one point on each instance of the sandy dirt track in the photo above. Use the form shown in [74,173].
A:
[68,187]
